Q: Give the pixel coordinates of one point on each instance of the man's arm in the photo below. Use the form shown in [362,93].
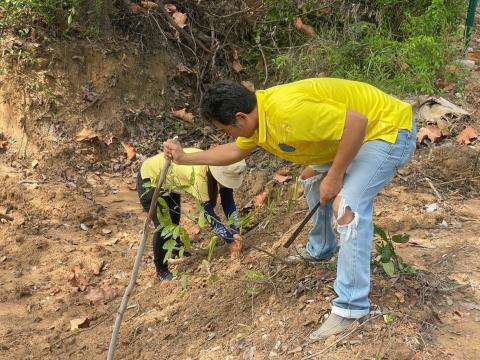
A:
[352,139]
[225,154]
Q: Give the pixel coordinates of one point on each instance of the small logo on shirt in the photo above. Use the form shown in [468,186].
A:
[286,148]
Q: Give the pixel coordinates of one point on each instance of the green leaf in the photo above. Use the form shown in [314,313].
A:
[176,232]
[213,279]
[387,253]
[184,281]
[380,232]
[181,251]
[211,247]
[201,220]
[389,268]
[169,246]
[388,318]
[187,243]
[255,275]
[401,238]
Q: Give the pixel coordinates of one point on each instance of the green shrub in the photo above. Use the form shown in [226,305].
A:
[401,46]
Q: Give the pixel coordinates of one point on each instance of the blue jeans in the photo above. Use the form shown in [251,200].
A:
[372,168]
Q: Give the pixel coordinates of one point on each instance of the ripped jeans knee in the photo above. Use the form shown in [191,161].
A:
[347,219]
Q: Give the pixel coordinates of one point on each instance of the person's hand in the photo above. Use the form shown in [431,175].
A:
[172,150]
[330,187]
[236,246]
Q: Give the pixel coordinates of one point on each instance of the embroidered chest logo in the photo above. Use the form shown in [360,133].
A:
[286,148]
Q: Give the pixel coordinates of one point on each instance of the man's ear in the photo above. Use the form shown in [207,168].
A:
[241,118]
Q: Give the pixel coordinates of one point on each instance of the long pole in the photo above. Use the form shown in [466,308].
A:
[138,259]
[472,8]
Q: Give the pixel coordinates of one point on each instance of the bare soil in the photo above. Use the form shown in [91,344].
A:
[71,223]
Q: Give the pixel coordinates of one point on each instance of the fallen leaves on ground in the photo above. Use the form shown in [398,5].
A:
[86,135]
[432,132]
[79,323]
[135,8]
[170,8]
[472,56]
[236,65]
[192,231]
[180,19]
[90,135]
[306,29]
[445,84]
[185,69]
[282,178]
[249,85]
[149,5]
[99,296]
[260,199]
[130,150]
[97,267]
[183,114]
[467,135]
[77,279]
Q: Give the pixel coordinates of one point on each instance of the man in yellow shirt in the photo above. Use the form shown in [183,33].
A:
[355,133]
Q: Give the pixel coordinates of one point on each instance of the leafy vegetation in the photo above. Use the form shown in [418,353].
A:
[401,46]
[387,257]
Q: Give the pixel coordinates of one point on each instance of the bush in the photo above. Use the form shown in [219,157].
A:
[401,46]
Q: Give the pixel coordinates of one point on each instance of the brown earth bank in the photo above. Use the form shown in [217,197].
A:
[71,223]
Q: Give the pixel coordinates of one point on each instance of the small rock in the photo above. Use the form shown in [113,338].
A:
[272,354]
[211,336]
[431,208]
[449,300]
[3,258]
[469,64]
[106,231]
[444,224]
[34,164]
[83,227]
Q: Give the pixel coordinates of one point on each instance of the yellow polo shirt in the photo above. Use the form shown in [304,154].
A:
[179,177]
[303,121]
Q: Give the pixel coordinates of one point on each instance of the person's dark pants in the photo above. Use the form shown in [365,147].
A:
[173,201]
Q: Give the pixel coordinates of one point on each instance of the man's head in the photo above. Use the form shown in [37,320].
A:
[231,107]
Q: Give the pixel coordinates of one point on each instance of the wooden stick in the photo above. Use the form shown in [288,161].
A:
[138,259]
[439,197]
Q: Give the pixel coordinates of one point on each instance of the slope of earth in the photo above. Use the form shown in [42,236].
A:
[71,222]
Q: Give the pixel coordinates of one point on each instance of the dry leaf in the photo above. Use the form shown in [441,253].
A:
[102,295]
[130,150]
[443,126]
[284,171]
[86,135]
[79,323]
[183,114]
[77,279]
[236,66]
[180,19]
[417,356]
[445,84]
[260,199]
[3,144]
[467,135]
[472,56]
[97,267]
[249,85]
[431,132]
[170,8]
[192,230]
[452,69]
[149,5]
[183,68]
[306,29]
[107,139]
[135,8]
[282,178]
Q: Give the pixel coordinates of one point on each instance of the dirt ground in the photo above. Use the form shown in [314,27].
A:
[71,223]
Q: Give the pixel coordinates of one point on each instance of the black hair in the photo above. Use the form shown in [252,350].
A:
[224,99]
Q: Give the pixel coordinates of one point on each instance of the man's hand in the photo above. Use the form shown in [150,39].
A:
[330,187]
[172,150]
[236,247]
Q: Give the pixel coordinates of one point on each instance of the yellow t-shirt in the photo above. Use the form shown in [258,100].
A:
[303,122]
[179,177]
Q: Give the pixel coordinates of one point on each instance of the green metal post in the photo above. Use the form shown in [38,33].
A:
[472,8]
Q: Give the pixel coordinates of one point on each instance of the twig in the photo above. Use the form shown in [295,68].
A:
[138,259]
[453,288]
[342,338]
[457,180]
[180,30]
[439,197]
[264,64]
